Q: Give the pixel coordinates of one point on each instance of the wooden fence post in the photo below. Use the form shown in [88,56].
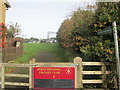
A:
[103,69]
[32,61]
[3,77]
[30,77]
[78,73]
[31,74]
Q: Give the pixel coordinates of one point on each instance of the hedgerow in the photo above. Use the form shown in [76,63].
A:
[80,33]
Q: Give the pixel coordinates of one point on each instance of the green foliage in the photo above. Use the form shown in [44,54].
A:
[108,11]
[34,39]
[99,50]
[80,33]
[27,40]
[31,40]
[102,47]
[13,30]
[73,31]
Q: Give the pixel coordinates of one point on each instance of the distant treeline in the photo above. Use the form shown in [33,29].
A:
[36,40]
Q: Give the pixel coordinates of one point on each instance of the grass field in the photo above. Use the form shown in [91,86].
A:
[31,50]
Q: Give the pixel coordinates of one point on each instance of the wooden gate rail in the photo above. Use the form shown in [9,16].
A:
[34,64]
[79,73]
[76,64]
[82,64]
[101,72]
[3,75]
[56,64]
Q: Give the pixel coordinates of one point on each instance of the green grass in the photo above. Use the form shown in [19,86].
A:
[32,49]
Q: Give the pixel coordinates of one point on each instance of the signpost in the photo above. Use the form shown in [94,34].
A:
[54,78]
[116,51]
[105,31]
[109,31]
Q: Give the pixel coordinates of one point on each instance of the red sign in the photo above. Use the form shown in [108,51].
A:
[54,75]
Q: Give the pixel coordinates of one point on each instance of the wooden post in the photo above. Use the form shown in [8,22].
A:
[78,73]
[103,69]
[3,78]
[15,52]
[32,61]
[31,74]
[3,11]
[30,77]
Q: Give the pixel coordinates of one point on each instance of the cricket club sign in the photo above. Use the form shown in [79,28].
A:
[54,78]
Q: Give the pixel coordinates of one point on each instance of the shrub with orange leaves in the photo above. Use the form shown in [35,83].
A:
[73,31]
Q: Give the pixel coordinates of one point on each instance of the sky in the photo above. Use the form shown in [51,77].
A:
[37,17]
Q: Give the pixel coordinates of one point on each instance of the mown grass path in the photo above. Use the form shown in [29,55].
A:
[44,52]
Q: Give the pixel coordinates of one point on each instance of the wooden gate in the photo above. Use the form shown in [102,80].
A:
[30,66]
[4,75]
[79,72]
[75,64]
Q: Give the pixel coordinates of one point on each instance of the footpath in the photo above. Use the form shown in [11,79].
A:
[47,57]
[42,56]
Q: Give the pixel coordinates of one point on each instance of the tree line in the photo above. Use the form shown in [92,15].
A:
[80,32]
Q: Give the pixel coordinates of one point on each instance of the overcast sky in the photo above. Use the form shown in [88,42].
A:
[37,17]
